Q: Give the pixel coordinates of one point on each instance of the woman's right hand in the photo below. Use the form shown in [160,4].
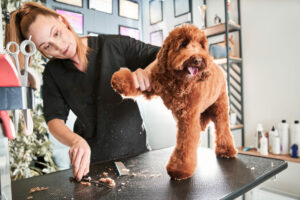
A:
[80,154]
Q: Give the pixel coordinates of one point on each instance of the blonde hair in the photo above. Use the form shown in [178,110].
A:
[22,18]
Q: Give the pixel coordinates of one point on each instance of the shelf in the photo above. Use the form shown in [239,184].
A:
[280,156]
[232,59]
[236,127]
[220,29]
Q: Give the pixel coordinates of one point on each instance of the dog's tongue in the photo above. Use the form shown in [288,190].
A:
[193,70]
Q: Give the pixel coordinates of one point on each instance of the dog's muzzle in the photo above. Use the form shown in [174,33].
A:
[194,65]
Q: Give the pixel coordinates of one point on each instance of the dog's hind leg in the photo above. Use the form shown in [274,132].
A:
[224,140]
[183,161]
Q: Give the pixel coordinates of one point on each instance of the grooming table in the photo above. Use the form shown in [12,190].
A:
[215,178]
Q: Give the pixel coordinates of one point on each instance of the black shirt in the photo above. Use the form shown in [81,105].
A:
[111,125]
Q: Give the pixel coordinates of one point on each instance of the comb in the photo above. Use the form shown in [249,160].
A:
[122,170]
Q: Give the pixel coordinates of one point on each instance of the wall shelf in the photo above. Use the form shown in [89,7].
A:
[236,127]
[220,29]
[232,59]
[254,152]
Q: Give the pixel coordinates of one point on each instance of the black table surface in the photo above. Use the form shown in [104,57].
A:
[215,178]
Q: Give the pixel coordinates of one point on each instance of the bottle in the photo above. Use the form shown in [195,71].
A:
[232,116]
[263,145]
[294,151]
[295,133]
[272,135]
[276,144]
[258,135]
[283,130]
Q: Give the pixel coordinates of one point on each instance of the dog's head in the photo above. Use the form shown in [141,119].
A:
[185,53]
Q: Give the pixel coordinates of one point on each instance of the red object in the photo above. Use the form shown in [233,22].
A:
[8,74]
[7,126]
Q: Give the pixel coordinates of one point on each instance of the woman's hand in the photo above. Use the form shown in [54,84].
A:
[142,79]
[80,155]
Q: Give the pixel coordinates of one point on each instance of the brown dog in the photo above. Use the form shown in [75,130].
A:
[194,88]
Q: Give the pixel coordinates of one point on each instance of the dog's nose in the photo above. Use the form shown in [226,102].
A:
[197,61]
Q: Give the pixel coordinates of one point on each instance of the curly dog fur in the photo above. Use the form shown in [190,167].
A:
[194,88]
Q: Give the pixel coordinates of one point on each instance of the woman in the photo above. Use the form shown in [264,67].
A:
[77,77]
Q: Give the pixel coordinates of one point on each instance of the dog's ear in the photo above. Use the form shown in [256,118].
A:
[162,58]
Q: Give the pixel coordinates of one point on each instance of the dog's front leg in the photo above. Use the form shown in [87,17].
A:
[183,161]
[224,141]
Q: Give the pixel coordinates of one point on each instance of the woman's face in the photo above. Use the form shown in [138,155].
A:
[52,37]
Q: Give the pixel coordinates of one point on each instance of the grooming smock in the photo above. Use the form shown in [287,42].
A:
[112,126]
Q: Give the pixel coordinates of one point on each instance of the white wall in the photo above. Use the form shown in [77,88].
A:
[271,40]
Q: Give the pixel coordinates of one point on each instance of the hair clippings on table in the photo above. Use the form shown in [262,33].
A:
[87,180]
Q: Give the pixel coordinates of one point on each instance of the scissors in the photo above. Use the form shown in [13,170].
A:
[22,48]
[28,122]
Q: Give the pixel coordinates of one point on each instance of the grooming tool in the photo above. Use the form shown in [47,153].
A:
[16,117]
[28,126]
[28,122]
[122,170]
[9,76]
[7,125]
[247,148]
[22,48]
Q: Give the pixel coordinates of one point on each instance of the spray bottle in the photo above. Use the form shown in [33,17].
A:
[264,145]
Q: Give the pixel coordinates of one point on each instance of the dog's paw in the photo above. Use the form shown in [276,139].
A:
[179,174]
[122,82]
[181,166]
[226,151]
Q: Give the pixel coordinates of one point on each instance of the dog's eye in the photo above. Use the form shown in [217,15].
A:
[184,43]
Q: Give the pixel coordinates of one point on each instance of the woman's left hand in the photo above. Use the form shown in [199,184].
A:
[142,79]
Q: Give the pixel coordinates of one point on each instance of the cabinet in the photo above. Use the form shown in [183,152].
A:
[233,66]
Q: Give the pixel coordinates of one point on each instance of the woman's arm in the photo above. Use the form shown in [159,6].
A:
[61,132]
[79,152]
[56,113]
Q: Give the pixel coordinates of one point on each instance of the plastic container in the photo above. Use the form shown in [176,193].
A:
[258,135]
[272,134]
[295,133]
[294,151]
[263,145]
[276,145]
[283,130]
